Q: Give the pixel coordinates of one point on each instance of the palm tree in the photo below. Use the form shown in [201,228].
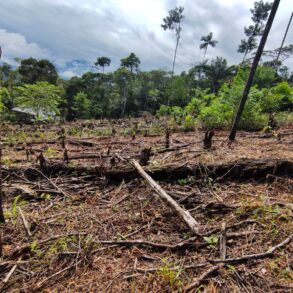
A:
[217,72]
[207,41]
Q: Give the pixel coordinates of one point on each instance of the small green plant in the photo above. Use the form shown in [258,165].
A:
[170,273]
[212,240]
[188,123]
[45,196]
[50,152]
[35,248]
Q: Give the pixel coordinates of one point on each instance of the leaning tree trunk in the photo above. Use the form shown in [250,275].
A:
[284,38]
[252,70]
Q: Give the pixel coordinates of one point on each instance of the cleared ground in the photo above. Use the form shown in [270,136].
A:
[97,226]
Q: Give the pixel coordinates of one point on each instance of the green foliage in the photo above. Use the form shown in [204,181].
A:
[189,123]
[218,115]
[32,71]
[264,77]
[131,62]
[212,240]
[82,105]
[285,93]
[40,97]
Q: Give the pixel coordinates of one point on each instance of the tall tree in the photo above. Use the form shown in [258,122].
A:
[102,62]
[32,71]
[2,218]
[173,22]
[131,62]
[260,13]
[254,65]
[207,41]
[284,38]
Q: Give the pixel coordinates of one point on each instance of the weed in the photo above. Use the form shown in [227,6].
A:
[212,240]
[170,274]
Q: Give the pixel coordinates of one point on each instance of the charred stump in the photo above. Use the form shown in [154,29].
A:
[145,156]
[167,138]
[207,141]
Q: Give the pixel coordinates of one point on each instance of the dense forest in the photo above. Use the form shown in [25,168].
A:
[205,94]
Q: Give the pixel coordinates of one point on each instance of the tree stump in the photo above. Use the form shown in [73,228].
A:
[167,138]
[145,156]
[207,141]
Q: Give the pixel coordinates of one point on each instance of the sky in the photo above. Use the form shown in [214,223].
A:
[73,33]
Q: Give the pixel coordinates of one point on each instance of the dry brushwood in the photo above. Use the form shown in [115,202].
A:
[261,255]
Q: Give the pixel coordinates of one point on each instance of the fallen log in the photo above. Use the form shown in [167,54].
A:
[241,170]
[193,225]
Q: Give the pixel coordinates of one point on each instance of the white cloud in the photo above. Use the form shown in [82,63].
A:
[15,45]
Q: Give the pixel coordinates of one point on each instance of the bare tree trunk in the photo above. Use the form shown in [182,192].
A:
[284,38]
[2,219]
[175,54]
[205,52]
[173,68]
[253,69]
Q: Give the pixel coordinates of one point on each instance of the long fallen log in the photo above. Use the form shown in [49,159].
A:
[193,225]
[241,170]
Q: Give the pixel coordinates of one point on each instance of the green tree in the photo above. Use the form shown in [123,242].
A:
[131,62]
[102,62]
[217,72]
[82,105]
[32,71]
[173,22]
[207,41]
[253,68]
[40,97]
[260,13]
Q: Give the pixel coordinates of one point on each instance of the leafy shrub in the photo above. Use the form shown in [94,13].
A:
[164,111]
[188,123]
[217,115]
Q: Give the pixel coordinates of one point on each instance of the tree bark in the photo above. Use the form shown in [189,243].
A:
[252,70]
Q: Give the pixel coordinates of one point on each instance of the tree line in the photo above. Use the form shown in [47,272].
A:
[207,86]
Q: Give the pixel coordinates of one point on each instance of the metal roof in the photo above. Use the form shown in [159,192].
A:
[30,111]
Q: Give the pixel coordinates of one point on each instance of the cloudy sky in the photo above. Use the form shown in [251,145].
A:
[73,33]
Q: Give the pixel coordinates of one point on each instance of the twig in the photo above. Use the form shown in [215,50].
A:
[41,242]
[25,223]
[43,282]
[268,253]
[52,183]
[223,239]
[197,281]
[11,271]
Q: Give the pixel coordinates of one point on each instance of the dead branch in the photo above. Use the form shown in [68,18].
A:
[261,255]
[25,222]
[193,225]
[11,271]
[198,281]
[223,239]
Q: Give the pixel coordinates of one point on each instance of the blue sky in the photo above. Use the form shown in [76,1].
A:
[73,33]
